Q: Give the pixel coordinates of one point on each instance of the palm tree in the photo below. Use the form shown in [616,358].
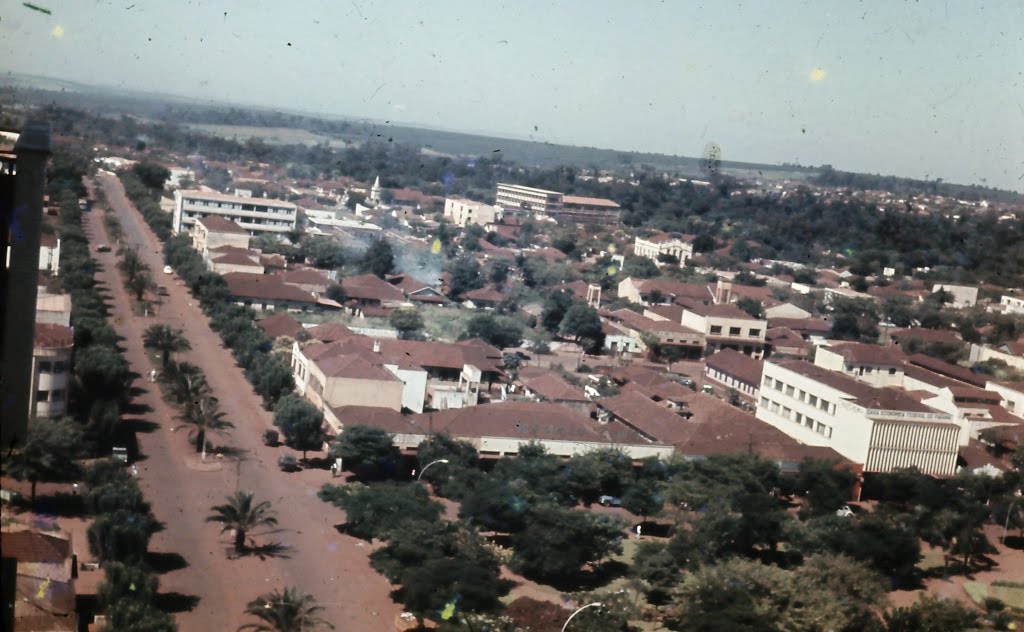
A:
[287,611]
[166,341]
[242,514]
[199,408]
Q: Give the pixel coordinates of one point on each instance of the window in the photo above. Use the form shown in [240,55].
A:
[45,367]
[42,396]
[734,331]
[799,418]
[779,385]
[57,396]
[808,422]
[812,400]
[60,367]
[802,395]
[787,412]
[823,405]
[789,391]
[892,371]
[764,402]
[775,407]
[716,329]
[754,333]
[868,369]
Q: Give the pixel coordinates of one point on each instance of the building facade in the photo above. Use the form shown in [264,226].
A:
[883,429]
[51,368]
[463,212]
[663,246]
[515,197]
[727,327]
[255,215]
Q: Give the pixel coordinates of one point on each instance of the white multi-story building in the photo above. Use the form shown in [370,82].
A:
[878,366]
[881,428]
[516,197]
[726,326]
[663,245]
[463,212]
[1012,304]
[256,215]
[51,369]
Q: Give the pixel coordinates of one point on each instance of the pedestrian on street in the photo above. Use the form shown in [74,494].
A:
[135,471]
[638,532]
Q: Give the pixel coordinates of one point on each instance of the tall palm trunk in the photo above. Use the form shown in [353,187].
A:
[239,540]
[200,439]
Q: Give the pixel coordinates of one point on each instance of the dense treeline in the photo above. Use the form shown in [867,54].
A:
[797,227]
[269,375]
[908,186]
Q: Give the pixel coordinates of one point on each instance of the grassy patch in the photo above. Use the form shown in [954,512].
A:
[1012,596]
[445,323]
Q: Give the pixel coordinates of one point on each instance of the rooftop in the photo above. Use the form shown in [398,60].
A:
[554,387]
[579,200]
[237,199]
[281,324]
[862,394]
[860,353]
[266,287]
[740,366]
[949,370]
[50,336]
[218,224]
[370,287]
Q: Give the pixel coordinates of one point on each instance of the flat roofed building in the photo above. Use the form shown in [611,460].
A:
[1012,304]
[255,215]
[463,212]
[726,327]
[516,197]
[881,428]
[878,366]
[51,368]
[212,232]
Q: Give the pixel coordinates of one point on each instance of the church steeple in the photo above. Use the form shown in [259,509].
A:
[375,191]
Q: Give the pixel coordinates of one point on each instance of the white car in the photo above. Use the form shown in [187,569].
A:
[844,511]
[168,270]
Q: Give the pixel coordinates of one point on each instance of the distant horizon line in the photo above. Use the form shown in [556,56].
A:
[139,93]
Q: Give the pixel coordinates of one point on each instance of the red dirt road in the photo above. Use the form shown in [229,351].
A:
[332,567]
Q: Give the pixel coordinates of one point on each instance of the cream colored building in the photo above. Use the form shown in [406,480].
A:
[351,381]
[1012,304]
[963,295]
[515,197]
[214,231]
[463,212]
[1012,394]
[726,326]
[51,370]
[872,364]
[663,245]
[882,428]
[255,215]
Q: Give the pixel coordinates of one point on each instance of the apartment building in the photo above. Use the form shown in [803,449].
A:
[516,197]
[51,369]
[1012,304]
[462,212]
[658,247]
[255,215]
[881,428]
[214,231]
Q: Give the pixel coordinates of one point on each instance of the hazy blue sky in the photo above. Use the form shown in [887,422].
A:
[910,88]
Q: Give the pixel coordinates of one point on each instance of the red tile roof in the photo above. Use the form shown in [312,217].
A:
[246,285]
[236,257]
[860,353]
[553,387]
[355,367]
[949,370]
[218,224]
[865,395]
[926,335]
[742,367]
[579,200]
[370,287]
[485,295]
[649,418]
[50,336]
[304,276]
[31,547]
[280,325]
[330,332]
[818,326]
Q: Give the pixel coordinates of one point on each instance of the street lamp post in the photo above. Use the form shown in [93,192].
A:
[428,465]
[596,604]
[1006,523]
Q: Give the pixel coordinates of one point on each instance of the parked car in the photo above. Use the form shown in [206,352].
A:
[844,511]
[168,270]
[103,248]
[162,291]
[288,463]
[610,501]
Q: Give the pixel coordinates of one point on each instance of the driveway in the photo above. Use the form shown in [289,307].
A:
[332,567]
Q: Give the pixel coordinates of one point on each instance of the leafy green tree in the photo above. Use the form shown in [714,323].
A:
[931,614]
[336,293]
[408,322]
[116,495]
[465,276]
[300,422]
[151,174]
[751,306]
[590,475]
[498,273]
[501,331]
[241,514]
[378,259]
[323,252]
[556,542]
[761,522]
[412,545]
[165,340]
[494,504]
[49,453]
[460,455]
[285,610]
[825,487]
[584,325]
[137,616]
[556,305]
[121,536]
[380,510]
[470,579]
[643,498]
[125,582]
[360,445]
[101,374]
[657,568]
[640,268]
